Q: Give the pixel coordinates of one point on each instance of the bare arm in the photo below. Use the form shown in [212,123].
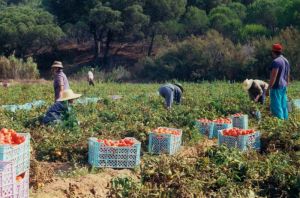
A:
[61,89]
[273,78]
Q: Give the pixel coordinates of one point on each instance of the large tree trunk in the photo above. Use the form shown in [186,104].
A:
[151,44]
[97,47]
[107,46]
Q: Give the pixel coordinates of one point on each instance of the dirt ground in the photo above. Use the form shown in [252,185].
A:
[95,185]
[87,186]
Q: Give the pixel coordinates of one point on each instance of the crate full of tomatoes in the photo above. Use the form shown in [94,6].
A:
[206,127]
[242,139]
[220,124]
[124,153]
[15,147]
[164,140]
[240,121]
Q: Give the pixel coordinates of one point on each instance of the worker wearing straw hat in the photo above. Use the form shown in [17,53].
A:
[61,107]
[171,92]
[256,89]
[61,82]
[279,81]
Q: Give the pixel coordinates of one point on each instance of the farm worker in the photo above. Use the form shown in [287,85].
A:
[91,77]
[61,109]
[61,82]
[279,81]
[256,89]
[171,92]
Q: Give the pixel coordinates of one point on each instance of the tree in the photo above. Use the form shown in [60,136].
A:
[23,28]
[70,11]
[104,22]
[160,12]
[195,21]
[291,14]
[253,31]
[265,12]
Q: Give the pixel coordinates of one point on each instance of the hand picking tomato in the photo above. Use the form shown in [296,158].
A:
[9,136]
[163,130]
[119,143]
[235,132]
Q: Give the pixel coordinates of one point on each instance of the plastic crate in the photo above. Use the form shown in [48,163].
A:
[7,178]
[85,101]
[240,122]
[206,128]
[18,154]
[112,156]
[22,187]
[242,142]
[218,127]
[164,143]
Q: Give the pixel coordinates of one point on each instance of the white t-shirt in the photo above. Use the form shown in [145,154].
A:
[91,75]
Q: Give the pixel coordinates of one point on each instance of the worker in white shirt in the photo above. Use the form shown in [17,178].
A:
[91,77]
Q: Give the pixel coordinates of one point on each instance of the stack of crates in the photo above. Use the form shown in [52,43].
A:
[14,169]
[164,143]
[102,156]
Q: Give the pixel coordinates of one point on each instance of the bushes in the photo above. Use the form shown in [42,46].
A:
[13,68]
[213,57]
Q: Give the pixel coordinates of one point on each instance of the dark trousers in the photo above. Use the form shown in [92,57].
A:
[91,82]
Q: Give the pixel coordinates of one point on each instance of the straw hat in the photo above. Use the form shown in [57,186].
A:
[57,64]
[247,84]
[68,94]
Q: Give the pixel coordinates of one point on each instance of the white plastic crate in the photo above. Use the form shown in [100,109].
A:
[18,154]
[7,180]
[22,187]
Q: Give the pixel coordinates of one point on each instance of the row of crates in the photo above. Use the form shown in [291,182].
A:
[242,142]
[15,163]
[101,155]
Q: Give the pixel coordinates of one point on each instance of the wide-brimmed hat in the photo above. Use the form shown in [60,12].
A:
[57,64]
[68,94]
[179,85]
[247,84]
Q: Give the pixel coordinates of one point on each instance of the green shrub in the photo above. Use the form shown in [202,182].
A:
[14,68]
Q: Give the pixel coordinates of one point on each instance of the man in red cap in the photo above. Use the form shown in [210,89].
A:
[279,80]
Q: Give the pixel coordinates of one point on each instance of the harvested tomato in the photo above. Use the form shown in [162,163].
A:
[119,143]
[235,132]
[204,120]
[163,130]
[237,115]
[10,136]
[222,121]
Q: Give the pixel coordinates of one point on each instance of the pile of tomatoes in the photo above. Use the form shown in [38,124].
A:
[237,115]
[235,132]
[9,136]
[222,121]
[120,143]
[204,120]
[163,130]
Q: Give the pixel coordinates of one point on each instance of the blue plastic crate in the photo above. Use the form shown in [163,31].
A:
[218,127]
[240,122]
[7,180]
[164,143]
[242,142]
[101,155]
[206,128]
[18,154]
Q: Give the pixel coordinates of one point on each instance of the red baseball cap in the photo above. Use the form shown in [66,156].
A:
[277,47]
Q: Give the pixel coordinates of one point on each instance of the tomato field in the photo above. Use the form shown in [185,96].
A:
[198,170]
